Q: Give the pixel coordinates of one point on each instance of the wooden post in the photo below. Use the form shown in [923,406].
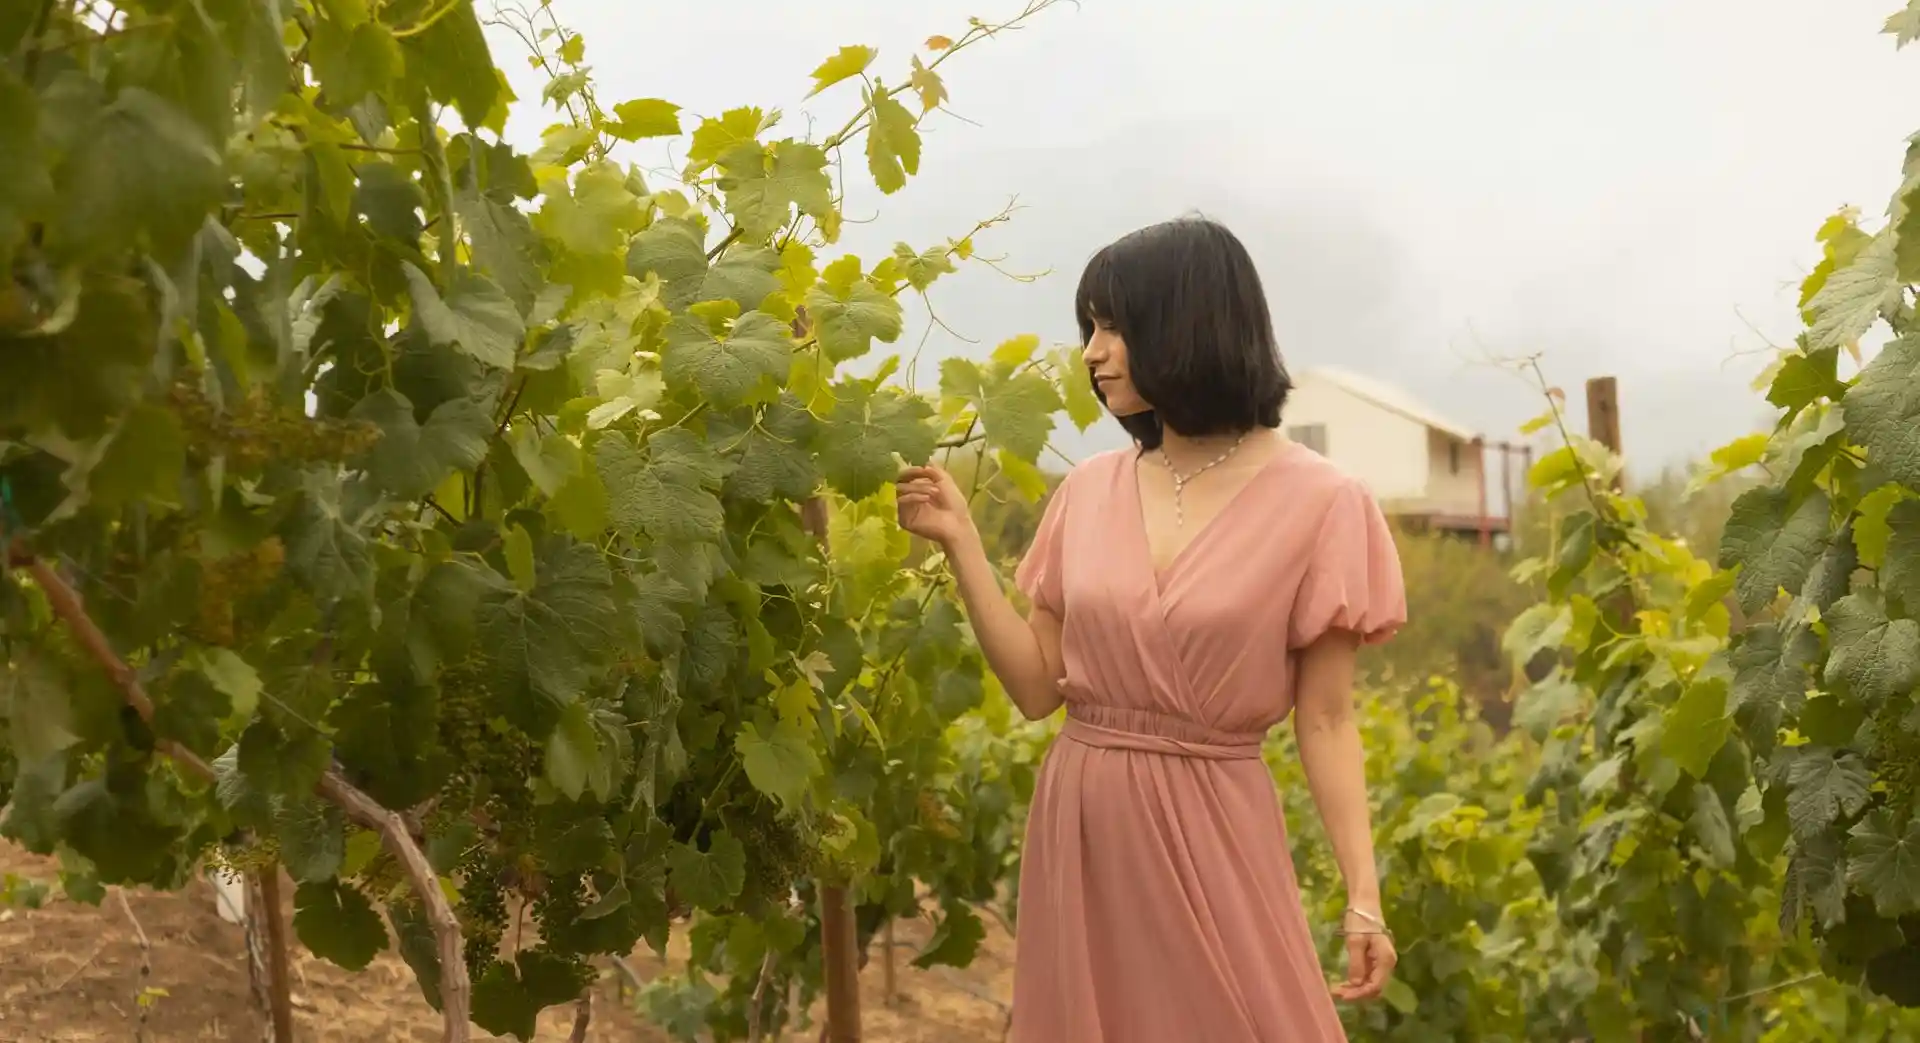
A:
[1480,468]
[1603,418]
[839,932]
[1506,491]
[279,981]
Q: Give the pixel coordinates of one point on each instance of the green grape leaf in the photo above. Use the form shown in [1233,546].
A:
[893,142]
[664,489]
[143,460]
[508,998]
[1771,676]
[232,676]
[773,458]
[476,316]
[1883,862]
[449,55]
[1854,297]
[575,762]
[1900,560]
[551,641]
[312,835]
[551,461]
[1883,414]
[866,430]
[327,551]
[352,62]
[1773,549]
[1832,574]
[39,712]
[711,878]
[1712,828]
[762,186]
[923,268]
[672,249]
[141,170]
[337,923]
[848,63]
[597,216]
[25,184]
[411,459]
[1814,881]
[715,137]
[385,735]
[744,276]
[780,762]
[1873,657]
[1824,788]
[1697,725]
[1805,377]
[645,118]
[849,311]
[956,940]
[120,834]
[657,601]
[727,368]
[505,247]
[1016,410]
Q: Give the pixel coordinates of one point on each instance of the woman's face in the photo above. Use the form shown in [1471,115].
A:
[1106,358]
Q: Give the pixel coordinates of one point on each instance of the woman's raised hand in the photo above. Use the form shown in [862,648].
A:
[932,506]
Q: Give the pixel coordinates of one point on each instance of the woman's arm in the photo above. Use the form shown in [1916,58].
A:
[1023,653]
[1336,764]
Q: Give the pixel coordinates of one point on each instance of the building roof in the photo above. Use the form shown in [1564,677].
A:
[1390,398]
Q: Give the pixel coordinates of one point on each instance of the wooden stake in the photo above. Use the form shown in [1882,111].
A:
[1603,417]
[840,953]
[839,934]
[279,983]
[889,977]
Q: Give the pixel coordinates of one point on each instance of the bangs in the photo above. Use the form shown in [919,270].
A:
[1098,298]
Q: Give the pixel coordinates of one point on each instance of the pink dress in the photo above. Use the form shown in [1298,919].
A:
[1157,897]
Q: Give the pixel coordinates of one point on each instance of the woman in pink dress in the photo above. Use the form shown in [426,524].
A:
[1186,594]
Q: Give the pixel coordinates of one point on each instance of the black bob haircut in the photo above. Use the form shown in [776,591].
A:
[1184,296]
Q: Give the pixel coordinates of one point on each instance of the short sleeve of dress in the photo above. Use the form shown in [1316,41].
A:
[1039,574]
[1353,579]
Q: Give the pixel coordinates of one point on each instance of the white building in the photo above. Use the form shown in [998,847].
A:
[1427,472]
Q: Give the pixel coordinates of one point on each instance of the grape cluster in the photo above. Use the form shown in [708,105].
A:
[483,907]
[231,580]
[491,765]
[778,856]
[1896,753]
[256,430]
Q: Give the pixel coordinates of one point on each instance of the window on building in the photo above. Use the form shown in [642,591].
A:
[1453,457]
[1313,436]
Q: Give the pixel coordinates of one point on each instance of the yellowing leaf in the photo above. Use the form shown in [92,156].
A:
[645,118]
[938,43]
[928,85]
[717,137]
[574,49]
[848,63]
[893,143]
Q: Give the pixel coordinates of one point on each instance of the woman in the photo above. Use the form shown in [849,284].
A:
[1186,595]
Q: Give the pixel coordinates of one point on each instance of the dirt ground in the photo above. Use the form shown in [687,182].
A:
[71,973]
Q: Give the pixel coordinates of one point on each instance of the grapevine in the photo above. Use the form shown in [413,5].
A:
[426,517]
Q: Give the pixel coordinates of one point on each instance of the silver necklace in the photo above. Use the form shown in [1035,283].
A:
[1180,481]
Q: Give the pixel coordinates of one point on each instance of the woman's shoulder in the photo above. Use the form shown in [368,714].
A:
[1315,478]
[1098,468]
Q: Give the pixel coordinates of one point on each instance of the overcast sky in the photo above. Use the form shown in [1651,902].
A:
[1629,187]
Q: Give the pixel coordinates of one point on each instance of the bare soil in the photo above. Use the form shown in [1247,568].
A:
[71,972]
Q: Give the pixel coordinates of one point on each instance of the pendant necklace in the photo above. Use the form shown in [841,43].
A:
[1180,481]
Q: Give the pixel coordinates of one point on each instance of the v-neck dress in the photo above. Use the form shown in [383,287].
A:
[1158,902]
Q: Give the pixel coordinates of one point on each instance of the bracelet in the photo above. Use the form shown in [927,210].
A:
[1342,932]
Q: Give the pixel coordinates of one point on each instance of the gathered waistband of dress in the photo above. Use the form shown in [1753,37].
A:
[1122,728]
